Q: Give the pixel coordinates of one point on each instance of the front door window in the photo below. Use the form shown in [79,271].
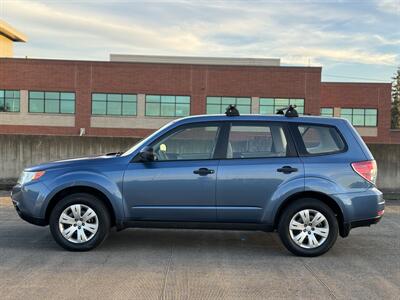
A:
[193,143]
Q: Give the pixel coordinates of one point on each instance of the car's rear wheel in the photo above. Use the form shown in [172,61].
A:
[308,227]
[79,222]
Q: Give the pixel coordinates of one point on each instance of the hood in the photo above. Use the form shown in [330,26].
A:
[70,162]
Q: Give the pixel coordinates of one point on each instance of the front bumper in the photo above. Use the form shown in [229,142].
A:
[28,202]
[29,219]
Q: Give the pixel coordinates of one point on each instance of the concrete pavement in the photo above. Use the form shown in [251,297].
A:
[196,264]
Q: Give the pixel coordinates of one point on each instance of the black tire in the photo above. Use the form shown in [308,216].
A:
[90,201]
[292,210]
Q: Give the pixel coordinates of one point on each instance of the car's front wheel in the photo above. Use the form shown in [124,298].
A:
[79,222]
[308,227]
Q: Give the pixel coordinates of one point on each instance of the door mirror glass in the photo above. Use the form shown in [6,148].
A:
[146,154]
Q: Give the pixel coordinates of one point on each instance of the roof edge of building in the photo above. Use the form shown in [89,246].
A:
[63,60]
[196,60]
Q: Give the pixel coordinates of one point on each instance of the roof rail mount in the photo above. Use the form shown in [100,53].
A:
[291,111]
[231,111]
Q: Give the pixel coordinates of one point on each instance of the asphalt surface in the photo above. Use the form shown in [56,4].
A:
[196,264]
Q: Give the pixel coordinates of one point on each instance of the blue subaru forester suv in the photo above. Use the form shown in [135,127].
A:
[310,178]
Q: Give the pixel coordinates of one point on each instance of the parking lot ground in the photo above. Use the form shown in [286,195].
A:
[197,264]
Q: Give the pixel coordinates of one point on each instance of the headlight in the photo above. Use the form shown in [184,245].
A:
[30,176]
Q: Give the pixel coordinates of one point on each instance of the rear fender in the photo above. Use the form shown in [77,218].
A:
[283,192]
[331,189]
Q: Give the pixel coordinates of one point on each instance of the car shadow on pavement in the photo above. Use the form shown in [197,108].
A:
[16,234]
[188,240]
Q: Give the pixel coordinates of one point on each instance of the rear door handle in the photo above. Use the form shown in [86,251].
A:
[203,171]
[287,170]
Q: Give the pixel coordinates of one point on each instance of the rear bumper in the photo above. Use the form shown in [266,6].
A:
[360,209]
[361,223]
[367,222]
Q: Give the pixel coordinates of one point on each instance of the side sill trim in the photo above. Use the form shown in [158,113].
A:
[197,225]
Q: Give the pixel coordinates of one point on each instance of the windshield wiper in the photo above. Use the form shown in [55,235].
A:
[119,153]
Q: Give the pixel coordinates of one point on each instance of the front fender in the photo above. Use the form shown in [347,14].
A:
[90,179]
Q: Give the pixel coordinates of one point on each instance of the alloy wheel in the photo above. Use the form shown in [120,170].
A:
[309,228]
[78,223]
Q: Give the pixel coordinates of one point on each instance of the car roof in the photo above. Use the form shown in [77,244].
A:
[255,117]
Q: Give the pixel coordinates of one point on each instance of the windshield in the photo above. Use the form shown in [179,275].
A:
[144,141]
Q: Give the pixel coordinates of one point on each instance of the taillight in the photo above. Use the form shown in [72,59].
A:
[366,169]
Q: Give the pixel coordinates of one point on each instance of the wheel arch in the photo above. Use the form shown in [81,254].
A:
[343,230]
[80,189]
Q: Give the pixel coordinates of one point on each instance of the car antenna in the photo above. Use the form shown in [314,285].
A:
[291,111]
[232,111]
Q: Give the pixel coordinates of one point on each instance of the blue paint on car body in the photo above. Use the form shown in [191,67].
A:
[229,187]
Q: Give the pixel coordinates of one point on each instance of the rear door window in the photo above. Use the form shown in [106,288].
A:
[256,141]
[321,139]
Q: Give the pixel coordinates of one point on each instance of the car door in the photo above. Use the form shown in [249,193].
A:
[180,184]
[260,158]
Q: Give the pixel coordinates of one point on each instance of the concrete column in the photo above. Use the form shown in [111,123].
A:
[336,111]
[255,105]
[141,105]
[23,102]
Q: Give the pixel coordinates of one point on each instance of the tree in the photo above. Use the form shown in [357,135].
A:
[396,100]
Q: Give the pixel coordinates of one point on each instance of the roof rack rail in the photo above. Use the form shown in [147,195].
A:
[232,111]
[291,111]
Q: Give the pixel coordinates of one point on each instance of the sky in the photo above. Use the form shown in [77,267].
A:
[351,40]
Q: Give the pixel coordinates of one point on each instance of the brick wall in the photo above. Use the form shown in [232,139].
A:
[362,95]
[198,81]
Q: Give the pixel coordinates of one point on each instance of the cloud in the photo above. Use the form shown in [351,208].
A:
[299,33]
[349,55]
[389,6]
[64,26]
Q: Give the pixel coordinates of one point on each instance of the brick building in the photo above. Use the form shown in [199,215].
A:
[56,109]
[134,95]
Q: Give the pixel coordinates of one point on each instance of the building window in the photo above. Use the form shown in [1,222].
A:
[52,102]
[9,101]
[167,106]
[218,105]
[114,104]
[360,116]
[271,105]
[327,111]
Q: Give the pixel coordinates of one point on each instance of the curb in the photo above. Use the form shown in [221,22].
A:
[5,201]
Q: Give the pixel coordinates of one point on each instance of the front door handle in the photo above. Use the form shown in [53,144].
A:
[287,170]
[203,171]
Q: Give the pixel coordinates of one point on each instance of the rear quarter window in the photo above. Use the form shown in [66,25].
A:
[319,140]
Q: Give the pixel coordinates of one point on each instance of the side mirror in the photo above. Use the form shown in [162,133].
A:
[146,154]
